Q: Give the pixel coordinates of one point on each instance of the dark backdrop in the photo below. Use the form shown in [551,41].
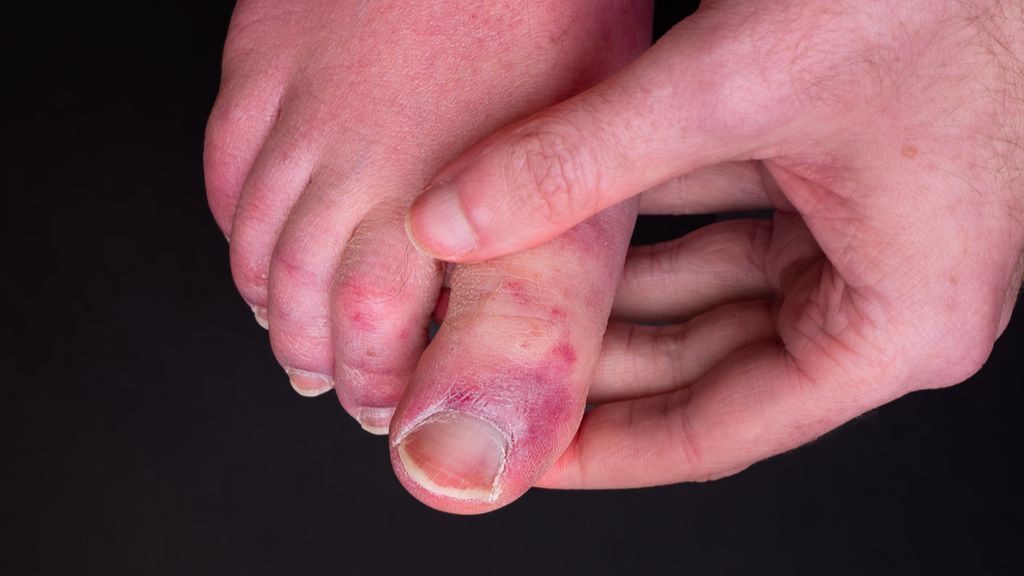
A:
[149,430]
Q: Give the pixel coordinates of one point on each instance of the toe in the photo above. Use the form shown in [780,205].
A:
[500,391]
[279,176]
[382,303]
[242,118]
[302,270]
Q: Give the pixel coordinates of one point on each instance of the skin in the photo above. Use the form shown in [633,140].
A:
[886,138]
[331,118]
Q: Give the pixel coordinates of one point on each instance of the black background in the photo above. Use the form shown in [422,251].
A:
[149,430]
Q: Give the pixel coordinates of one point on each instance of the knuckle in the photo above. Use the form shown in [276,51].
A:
[293,266]
[555,172]
[962,345]
[966,350]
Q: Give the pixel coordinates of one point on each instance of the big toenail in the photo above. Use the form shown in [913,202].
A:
[309,384]
[456,455]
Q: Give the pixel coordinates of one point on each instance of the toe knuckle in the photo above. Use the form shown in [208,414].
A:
[293,265]
[366,300]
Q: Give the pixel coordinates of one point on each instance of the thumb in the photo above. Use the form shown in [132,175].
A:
[690,101]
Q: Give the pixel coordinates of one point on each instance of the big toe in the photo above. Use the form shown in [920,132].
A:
[499,393]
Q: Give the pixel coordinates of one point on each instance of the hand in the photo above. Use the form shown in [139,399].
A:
[887,138]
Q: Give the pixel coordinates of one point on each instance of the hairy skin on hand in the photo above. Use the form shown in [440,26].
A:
[887,139]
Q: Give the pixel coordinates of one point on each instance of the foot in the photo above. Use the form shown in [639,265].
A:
[330,120]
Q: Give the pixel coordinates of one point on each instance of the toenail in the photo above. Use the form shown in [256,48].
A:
[375,420]
[456,455]
[261,316]
[309,384]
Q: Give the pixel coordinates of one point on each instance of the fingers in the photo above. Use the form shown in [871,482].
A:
[691,101]
[720,263]
[499,391]
[756,404]
[382,302]
[726,187]
[641,361]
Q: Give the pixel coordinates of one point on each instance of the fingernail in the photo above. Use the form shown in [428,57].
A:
[261,317]
[376,420]
[456,455]
[437,225]
[309,384]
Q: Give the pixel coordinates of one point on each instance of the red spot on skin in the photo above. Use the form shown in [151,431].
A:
[359,320]
[909,151]
[564,352]
[558,314]
[517,291]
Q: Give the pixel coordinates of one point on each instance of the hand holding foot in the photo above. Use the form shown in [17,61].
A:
[887,142]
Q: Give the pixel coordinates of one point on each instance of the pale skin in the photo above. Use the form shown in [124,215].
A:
[887,138]
[332,117]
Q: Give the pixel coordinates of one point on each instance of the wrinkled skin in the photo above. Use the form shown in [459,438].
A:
[331,118]
[887,138]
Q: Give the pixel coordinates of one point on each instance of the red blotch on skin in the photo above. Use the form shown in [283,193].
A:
[564,352]
[359,320]
[517,291]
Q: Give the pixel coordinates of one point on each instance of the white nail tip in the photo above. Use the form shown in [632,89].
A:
[261,317]
[313,384]
[376,420]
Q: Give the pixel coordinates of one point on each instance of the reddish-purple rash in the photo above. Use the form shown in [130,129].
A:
[558,314]
[550,376]
[564,352]
[517,291]
[359,320]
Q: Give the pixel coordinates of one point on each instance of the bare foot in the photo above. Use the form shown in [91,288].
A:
[330,120]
